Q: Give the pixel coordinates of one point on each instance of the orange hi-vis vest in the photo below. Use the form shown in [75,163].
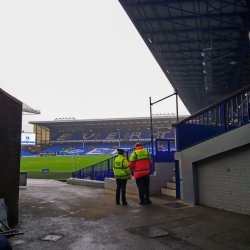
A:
[140,162]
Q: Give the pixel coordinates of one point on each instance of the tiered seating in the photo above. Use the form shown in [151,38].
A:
[54,149]
[75,150]
[102,149]
[89,149]
[26,154]
[108,135]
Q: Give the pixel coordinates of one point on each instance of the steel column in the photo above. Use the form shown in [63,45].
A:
[177,180]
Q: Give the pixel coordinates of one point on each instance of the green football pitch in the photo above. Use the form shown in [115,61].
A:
[60,167]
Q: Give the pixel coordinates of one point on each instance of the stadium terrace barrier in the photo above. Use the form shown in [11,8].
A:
[165,151]
[223,116]
[101,170]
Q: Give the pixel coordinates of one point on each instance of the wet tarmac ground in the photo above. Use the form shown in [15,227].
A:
[88,218]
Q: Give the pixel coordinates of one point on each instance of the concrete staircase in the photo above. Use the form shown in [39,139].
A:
[170,189]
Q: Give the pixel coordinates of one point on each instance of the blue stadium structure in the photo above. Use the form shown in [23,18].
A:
[101,136]
[203,49]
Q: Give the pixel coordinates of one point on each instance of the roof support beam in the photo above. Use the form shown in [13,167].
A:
[174,34]
[164,2]
[189,40]
[221,13]
[224,29]
[166,19]
[233,4]
[177,44]
[233,14]
[181,59]
[222,39]
[199,16]
[199,51]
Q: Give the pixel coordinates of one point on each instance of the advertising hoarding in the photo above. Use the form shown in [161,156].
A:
[28,139]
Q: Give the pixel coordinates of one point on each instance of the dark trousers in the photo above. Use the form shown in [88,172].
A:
[121,185]
[4,244]
[143,187]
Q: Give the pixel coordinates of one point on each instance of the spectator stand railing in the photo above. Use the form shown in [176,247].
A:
[221,117]
[104,169]
[163,150]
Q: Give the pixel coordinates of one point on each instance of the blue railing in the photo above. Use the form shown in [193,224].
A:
[164,150]
[101,170]
[228,114]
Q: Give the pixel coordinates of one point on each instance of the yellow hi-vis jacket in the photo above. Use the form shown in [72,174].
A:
[121,168]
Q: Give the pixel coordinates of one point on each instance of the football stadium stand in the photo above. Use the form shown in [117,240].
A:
[101,136]
[90,149]
[107,135]
[27,154]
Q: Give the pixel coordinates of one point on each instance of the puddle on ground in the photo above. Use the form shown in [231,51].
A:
[17,242]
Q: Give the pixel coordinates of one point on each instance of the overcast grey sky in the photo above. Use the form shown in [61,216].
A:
[78,58]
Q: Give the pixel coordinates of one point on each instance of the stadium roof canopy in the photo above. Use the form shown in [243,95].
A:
[28,110]
[115,123]
[202,46]
[25,108]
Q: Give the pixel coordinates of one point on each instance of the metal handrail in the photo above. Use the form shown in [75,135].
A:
[226,115]
[211,106]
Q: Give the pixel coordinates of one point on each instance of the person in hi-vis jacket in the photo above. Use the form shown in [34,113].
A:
[122,173]
[140,162]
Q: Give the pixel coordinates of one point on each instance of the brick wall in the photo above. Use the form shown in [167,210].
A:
[10,147]
[224,180]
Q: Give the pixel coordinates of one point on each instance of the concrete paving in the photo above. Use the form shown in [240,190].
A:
[88,218]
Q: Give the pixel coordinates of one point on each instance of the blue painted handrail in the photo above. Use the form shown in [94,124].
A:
[226,115]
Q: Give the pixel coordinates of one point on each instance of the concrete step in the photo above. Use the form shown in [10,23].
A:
[167,191]
[171,185]
[173,179]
